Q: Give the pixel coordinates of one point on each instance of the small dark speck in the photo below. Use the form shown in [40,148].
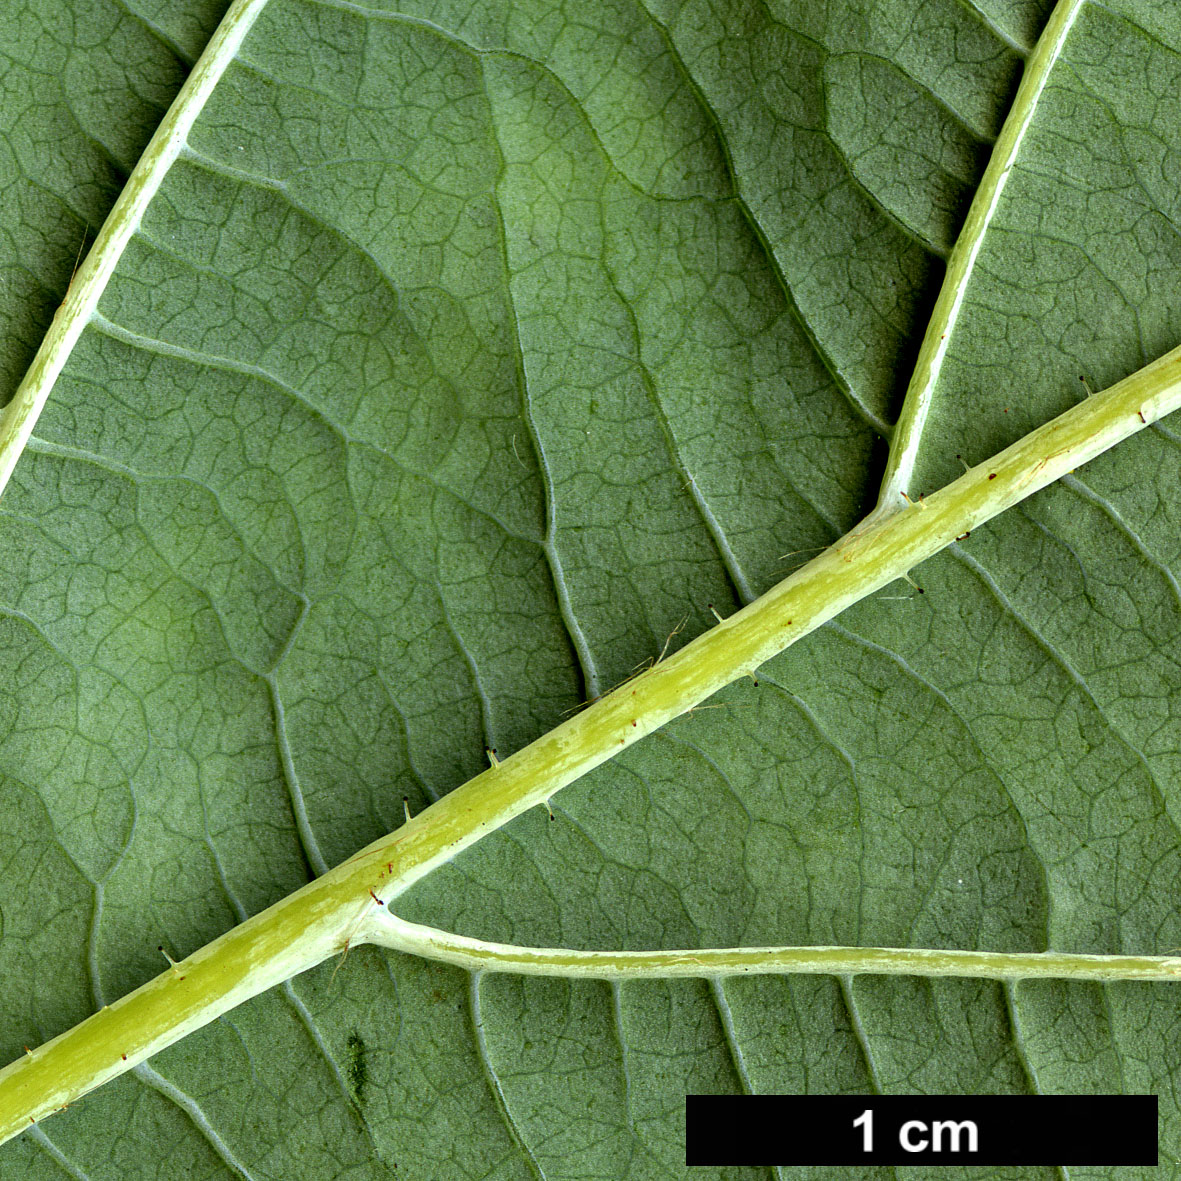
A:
[355,1067]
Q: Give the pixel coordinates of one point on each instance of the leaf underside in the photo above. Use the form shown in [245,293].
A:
[467,350]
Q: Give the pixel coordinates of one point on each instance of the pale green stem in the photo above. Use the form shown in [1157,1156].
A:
[339,907]
[86,289]
[478,955]
[904,441]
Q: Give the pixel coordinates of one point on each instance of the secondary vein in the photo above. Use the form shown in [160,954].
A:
[87,287]
[907,434]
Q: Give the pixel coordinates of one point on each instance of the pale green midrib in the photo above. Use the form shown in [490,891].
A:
[482,955]
[908,430]
[347,904]
[866,559]
[87,287]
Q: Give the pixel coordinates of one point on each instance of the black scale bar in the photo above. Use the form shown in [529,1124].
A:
[921,1129]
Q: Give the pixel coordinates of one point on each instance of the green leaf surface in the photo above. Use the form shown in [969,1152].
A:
[467,352]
